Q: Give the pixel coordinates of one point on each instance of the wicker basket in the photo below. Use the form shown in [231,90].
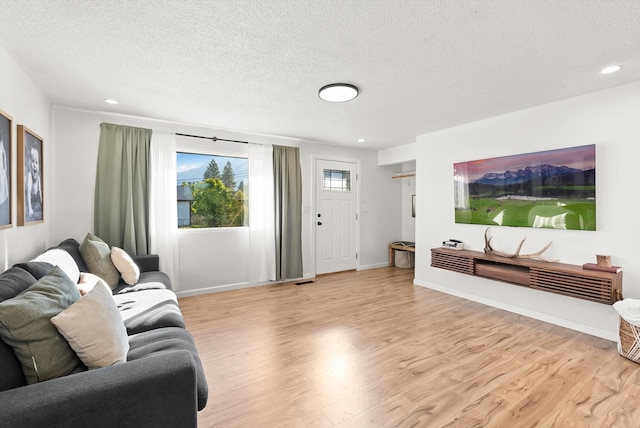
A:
[628,340]
[404,259]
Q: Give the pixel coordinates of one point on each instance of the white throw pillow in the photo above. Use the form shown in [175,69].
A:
[88,280]
[128,269]
[59,257]
[94,329]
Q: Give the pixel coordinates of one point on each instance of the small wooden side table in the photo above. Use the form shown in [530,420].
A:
[392,247]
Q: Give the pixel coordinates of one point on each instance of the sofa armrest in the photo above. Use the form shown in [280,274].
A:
[159,391]
[147,263]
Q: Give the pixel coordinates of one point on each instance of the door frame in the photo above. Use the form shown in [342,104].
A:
[314,186]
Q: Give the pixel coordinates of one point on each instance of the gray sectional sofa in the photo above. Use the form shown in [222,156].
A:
[161,384]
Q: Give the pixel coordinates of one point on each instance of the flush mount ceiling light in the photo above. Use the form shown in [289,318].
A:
[338,92]
[110,101]
[610,69]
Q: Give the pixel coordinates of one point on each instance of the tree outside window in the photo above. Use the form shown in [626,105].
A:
[208,198]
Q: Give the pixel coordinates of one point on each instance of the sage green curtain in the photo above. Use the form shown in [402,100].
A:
[287,181]
[121,204]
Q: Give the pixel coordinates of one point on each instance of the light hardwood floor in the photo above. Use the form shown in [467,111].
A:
[370,349]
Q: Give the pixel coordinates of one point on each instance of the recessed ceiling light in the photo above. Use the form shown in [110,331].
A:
[610,69]
[360,140]
[338,92]
[110,101]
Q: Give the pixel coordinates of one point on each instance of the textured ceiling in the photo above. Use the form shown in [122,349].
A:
[256,66]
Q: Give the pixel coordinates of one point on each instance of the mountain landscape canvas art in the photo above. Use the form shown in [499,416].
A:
[551,189]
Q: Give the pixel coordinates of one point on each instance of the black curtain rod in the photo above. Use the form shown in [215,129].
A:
[212,138]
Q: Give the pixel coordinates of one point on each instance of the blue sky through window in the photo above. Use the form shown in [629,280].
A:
[190,167]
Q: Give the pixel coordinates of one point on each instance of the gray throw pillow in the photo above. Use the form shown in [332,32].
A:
[25,326]
[14,281]
[97,256]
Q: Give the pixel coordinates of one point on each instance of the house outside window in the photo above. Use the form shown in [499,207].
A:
[212,190]
[185,198]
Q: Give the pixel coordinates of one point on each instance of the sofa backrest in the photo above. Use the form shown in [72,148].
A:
[72,247]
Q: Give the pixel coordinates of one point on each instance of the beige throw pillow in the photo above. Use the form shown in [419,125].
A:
[97,255]
[94,329]
[126,266]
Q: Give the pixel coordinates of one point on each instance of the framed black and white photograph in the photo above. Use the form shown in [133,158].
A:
[30,181]
[6,125]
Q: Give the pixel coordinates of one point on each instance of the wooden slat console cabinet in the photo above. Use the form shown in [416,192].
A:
[561,278]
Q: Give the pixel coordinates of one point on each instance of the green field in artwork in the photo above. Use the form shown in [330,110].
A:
[575,214]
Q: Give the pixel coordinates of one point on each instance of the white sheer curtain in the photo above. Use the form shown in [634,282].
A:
[163,212]
[262,258]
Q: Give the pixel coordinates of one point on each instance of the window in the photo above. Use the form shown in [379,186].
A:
[336,180]
[212,190]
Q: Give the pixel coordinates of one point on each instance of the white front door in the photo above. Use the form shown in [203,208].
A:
[335,216]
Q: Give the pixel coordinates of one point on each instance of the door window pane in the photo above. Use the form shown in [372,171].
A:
[336,180]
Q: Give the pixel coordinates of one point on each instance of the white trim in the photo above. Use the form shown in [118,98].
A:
[583,328]
[194,146]
[374,266]
[237,286]
[215,289]
[203,230]
[179,123]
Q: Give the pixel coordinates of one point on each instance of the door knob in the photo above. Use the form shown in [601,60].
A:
[319,223]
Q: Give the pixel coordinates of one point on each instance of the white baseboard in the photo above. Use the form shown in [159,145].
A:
[237,286]
[240,285]
[373,266]
[583,328]
[215,289]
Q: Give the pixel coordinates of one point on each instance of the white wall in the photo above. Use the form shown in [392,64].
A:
[213,260]
[403,159]
[408,185]
[611,120]
[21,99]
[398,154]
